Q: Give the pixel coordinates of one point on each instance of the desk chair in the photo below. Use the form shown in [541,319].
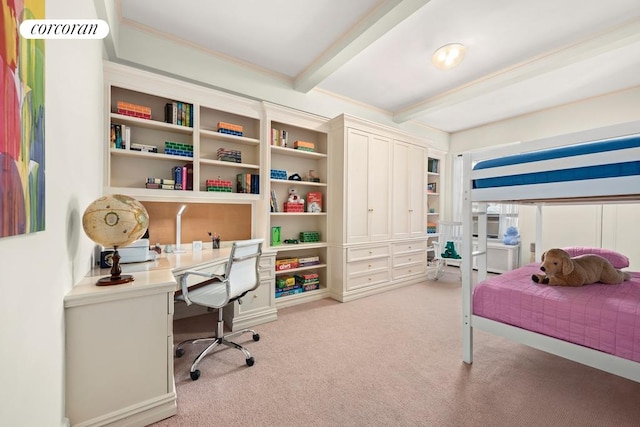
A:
[240,277]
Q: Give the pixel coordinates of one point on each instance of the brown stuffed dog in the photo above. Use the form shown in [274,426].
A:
[562,270]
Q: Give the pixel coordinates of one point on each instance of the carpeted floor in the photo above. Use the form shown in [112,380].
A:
[392,359]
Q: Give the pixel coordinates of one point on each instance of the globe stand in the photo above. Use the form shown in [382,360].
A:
[116,277]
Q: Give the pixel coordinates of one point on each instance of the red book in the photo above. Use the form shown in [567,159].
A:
[314,202]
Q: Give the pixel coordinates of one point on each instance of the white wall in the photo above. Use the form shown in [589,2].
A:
[37,270]
[567,225]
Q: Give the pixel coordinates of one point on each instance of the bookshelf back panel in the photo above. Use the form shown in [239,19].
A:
[131,172]
[209,119]
[209,150]
[302,134]
[156,103]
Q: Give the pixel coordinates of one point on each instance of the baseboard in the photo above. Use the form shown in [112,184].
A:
[376,289]
[139,415]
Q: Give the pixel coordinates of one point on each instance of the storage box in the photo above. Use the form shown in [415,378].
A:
[289,292]
[304,145]
[134,110]
[309,236]
[278,174]
[293,207]
[310,260]
[285,282]
[286,264]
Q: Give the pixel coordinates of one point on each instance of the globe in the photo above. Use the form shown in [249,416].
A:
[112,221]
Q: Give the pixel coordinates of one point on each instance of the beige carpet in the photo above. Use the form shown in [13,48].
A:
[392,359]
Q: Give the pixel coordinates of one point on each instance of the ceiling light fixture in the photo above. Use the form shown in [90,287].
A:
[448,56]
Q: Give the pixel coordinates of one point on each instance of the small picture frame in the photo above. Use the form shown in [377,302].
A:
[431,187]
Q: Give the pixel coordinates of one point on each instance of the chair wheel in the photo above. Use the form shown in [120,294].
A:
[179,352]
[195,374]
[256,337]
[250,361]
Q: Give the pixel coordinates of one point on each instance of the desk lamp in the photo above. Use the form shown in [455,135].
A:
[177,249]
[113,221]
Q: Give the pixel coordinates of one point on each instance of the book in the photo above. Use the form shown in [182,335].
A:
[274,201]
[118,136]
[127,137]
[189,172]
[314,201]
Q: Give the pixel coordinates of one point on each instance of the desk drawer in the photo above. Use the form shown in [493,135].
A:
[354,254]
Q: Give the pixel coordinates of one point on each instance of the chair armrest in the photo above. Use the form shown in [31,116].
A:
[183,281]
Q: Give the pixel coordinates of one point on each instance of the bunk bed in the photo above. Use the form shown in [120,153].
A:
[596,166]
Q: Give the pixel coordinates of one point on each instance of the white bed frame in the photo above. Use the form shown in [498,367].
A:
[609,190]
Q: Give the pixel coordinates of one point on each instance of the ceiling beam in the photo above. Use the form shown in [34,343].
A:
[109,11]
[374,25]
[623,35]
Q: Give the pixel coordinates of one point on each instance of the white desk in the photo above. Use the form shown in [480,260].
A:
[119,339]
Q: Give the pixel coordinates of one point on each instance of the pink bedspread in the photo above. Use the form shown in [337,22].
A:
[603,317]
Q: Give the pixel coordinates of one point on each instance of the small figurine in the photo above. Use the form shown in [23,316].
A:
[294,197]
[511,236]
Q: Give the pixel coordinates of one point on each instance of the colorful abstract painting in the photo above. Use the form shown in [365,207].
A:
[22,185]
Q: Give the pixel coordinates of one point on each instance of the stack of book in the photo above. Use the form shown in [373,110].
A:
[161,183]
[226,155]
[144,148]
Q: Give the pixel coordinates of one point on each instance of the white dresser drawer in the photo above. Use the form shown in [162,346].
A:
[409,258]
[410,270]
[414,246]
[354,254]
[358,268]
[367,280]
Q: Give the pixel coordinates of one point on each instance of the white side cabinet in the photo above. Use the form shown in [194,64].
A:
[500,257]
[119,358]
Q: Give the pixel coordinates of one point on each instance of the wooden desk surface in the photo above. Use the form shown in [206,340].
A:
[150,277]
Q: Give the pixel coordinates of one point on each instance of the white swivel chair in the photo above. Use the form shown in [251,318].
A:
[240,277]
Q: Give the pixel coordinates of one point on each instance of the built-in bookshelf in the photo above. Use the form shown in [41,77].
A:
[298,210]
[162,134]
[434,200]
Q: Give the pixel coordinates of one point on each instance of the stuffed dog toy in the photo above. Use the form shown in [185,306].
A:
[562,270]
